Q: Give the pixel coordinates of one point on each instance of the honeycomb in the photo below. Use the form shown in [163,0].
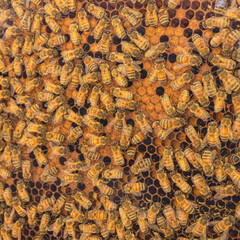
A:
[185,20]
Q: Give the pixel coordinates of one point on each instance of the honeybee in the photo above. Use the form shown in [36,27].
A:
[142,122]
[164,227]
[56,226]
[52,105]
[36,128]
[32,216]
[120,230]
[53,25]
[105,72]
[222,62]
[74,34]
[151,17]
[1,192]
[183,101]
[173,3]
[163,180]
[108,102]
[58,150]
[90,63]
[133,16]
[130,209]
[73,117]
[221,22]
[180,182]
[100,28]
[28,44]
[76,75]
[126,136]
[40,41]
[97,112]
[84,24]
[212,136]
[130,48]
[209,86]
[219,100]
[186,59]
[16,203]
[159,131]
[219,37]
[160,73]
[103,188]
[97,141]
[36,24]
[187,205]
[69,228]
[9,215]
[134,187]
[199,228]
[142,42]
[198,111]
[193,157]
[104,44]
[97,215]
[16,157]
[228,44]
[208,157]
[198,91]
[181,160]
[141,165]
[7,195]
[107,203]
[63,6]
[82,199]
[76,214]
[11,31]
[201,185]
[167,105]
[48,174]
[45,204]
[172,123]
[193,136]
[4,82]
[53,88]
[52,11]
[118,27]
[96,11]
[218,169]
[131,151]
[89,152]
[236,129]
[40,156]
[152,213]
[201,46]
[236,103]
[74,134]
[65,76]
[89,228]
[117,154]
[223,225]
[232,173]
[115,57]
[5,234]
[70,178]
[181,215]
[93,124]
[22,192]
[57,40]
[163,17]
[167,158]
[17,45]
[58,206]
[45,220]
[18,131]
[17,227]
[7,130]
[142,222]
[82,95]
[95,170]
[70,55]
[127,223]
[171,219]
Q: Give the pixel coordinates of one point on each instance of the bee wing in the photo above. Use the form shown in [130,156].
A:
[122,69]
[180,66]
[191,45]
[169,74]
[135,12]
[65,233]
[220,196]
[204,235]
[205,141]
[182,50]
[110,124]
[190,228]
[137,194]
[192,203]
[133,1]
[50,228]
[218,143]
[154,227]
[224,235]
[212,223]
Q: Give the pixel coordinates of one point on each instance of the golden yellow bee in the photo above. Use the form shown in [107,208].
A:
[120,230]
[199,228]
[198,91]
[222,62]
[130,48]
[48,174]
[107,101]
[62,6]
[7,130]
[180,182]
[14,109]
[193,136]
[167,105]
[5,48]
[219,100]
[181,160]
[107,203]
[127,223]
[187,205]
[45,220]
[76,75]
[134,187]
[1,191]
[163,17]
[151,17]
[69,228]
[34,142]
[58,206]
[32,216]
[119,79]
[17,45]
[56,227]
[22,192]
[163,180]
[11,31]
[74,34]
[223,225]
[198,111]
[173,3]
[57,40]
[164,227]
[74,134]
[100,27]
[4,82]
[36,24]
[228,44]
[18,131]
[181,215]
[115,57]
[53,25]
[16,157]
[52,11]
[104,44]
[193,157]
[142,222]
[40,41]
[96,11]
[65,76]
[73,117]
[17,227]
[9,215]
[103,188]
[89,228]
[3,68]
[16,203]
[172,123]
[84,24]
[93,124]
[152,213]
[47,53]
[141,165]
[212,136]
[130,209]
[82,199]
[142,42]
[126,136]
[117,154]
[82,95]
[183,101]
[201,185]
[58,150]
[219,37]
[208,157]
[25,22]
[236,128]
[7,195]
[40,156]
[36,128]
[170,216]
[200,45]
[70,178]
[105,73]
[167,158]
[5,234]
[118,27]
[129,235]
[52,105]
[220,174]
[232,173]
[132,16]
[31,110]
[89,152]
[97,215]
[209,85]
[221,22]
[236,103]
[112,174]
[45,204]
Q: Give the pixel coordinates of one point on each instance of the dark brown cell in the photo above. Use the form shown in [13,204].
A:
[199,15]
[189,14]
[184,23]
[195,5]
[186,4]
[171,13]
[188,32]
[175,22]
[206,5]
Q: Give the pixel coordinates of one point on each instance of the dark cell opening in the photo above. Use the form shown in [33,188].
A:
[185,4]
[53,188]
[164,38]
[126,170]
[70,102]
[184,23]
[199,15]
[160,91]
[189,14]
[142,148]
[188,32]
[86,47]
[195,5]
[116,40]
[206,5]
[147,141]
[151,149]
[165,201]
[143,74]
[149,181]
[198,31]
[90,39]
[62,160]
[107,160]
